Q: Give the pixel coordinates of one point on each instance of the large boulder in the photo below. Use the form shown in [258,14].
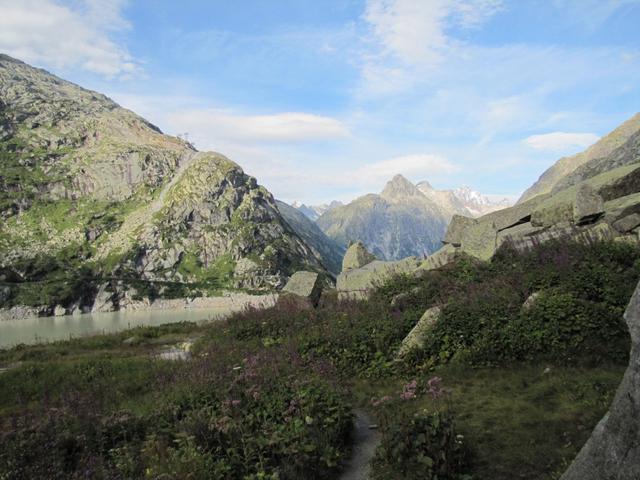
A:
[442,257]
[458,225]
[588,205]
[358,283]
[304,286]
[613,451]
[356,256]
[480,240]
[415,338]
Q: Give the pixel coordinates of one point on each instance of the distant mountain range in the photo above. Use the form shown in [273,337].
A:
[315,211]
[403,220]
[323,247]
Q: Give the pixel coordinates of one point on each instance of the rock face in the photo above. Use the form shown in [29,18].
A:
[87,184]
[304,285]
[399,222]
[356,256]
[415,338]
[613,450]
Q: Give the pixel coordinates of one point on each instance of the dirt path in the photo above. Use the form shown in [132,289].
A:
[365,441]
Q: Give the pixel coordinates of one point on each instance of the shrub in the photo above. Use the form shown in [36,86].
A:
[419,445]
[271,416]
[577,317]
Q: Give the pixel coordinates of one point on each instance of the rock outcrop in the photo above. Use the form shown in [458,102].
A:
[356,256]
[305,286]
[415,338]
[613,450]
[358,283]
[442,257]
[599,208]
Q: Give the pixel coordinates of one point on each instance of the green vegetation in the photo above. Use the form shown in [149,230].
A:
[118,413]
[23,174]
[210,279]
[498,390]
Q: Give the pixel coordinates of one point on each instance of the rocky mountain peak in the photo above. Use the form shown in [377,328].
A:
[399,187]
[472,197]
[424,186]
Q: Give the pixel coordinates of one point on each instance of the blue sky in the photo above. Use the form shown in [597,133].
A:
[328,100]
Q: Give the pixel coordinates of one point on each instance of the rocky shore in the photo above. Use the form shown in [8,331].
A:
[233,301]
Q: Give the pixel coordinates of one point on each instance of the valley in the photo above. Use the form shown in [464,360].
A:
[166,317]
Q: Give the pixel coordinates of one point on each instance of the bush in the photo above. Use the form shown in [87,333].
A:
[583,291]
[271,416]
[419,445]
[424,446]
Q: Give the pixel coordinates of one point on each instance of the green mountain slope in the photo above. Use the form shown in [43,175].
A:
[86,185]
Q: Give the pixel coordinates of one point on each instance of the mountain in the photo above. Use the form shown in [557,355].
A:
[599,199]
[315,211]
[87,186]
[567,165]
[399,222]
[326,249]
[404,219]
[463,201]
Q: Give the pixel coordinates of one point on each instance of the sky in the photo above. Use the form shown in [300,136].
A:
[324,100]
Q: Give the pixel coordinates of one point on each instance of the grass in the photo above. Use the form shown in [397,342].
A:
[270,392]
[515,419]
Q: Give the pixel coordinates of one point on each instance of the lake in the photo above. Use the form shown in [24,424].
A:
[45,329]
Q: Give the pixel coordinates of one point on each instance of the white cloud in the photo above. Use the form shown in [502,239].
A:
[411,36]
[561,141]
[48,33]
[213,126]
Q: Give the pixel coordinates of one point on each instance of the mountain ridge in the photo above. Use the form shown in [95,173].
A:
[90,186]
[566,165]
[404,219]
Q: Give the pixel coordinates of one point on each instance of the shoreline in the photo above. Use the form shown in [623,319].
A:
[232,301]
